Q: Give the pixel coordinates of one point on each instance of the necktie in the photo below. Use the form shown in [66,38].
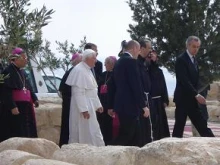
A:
[195,63]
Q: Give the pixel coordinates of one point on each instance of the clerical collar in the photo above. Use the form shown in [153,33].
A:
[86,65]
[190,56]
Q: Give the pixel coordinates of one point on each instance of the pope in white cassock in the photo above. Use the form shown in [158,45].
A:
[83,125]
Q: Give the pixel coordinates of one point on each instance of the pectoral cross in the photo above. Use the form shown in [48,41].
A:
[25,90]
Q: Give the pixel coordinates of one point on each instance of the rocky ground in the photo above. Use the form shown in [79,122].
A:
[169,151]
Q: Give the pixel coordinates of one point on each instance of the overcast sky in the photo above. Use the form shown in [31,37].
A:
[103,22]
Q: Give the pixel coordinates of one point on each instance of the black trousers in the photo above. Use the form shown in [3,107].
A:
[190,108]
[4,123]
[129,132]
[203,108]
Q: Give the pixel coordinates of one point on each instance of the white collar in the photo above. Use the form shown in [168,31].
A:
[129,54]
[86,65]
[190,55]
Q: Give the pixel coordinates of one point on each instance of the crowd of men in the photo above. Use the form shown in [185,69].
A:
[124,105]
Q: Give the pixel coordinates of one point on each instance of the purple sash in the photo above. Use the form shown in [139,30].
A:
[21,95]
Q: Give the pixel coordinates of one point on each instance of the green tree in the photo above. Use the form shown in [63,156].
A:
[169,22]
[67,49]
[21,27]
[47,59]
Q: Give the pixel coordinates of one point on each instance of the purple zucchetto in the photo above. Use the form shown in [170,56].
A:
[113,58]
[16,52]
[74,56]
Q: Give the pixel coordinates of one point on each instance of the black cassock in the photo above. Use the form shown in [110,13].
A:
[66,97]
[146,85]
[23,124]
[105,121]
[159,96]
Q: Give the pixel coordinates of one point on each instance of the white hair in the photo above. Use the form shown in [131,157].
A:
[88,53]
[192,38]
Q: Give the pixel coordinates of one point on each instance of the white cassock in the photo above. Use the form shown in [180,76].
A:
[84,98]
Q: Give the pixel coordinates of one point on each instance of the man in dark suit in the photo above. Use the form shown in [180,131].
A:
[97,70]
[186,95]
[128,97]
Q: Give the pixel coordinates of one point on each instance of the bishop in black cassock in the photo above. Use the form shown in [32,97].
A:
[17,117]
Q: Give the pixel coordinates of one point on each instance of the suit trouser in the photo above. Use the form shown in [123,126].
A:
[204,111]
[129,132]
[190,109]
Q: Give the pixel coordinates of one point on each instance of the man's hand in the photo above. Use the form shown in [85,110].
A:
[200,99]
[36,103]
[111,113]
[15,111]
[86,115]
[146,112]
[100,110]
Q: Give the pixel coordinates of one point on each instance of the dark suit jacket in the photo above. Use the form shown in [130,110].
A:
[187,78]
[127,91]
[98,71]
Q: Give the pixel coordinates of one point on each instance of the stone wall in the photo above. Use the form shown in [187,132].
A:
[48,117]
[214,93]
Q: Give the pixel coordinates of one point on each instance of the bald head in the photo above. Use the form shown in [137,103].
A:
[133,47]
[131,44]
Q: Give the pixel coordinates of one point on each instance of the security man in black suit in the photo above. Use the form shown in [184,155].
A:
[128,96]
[186,95]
